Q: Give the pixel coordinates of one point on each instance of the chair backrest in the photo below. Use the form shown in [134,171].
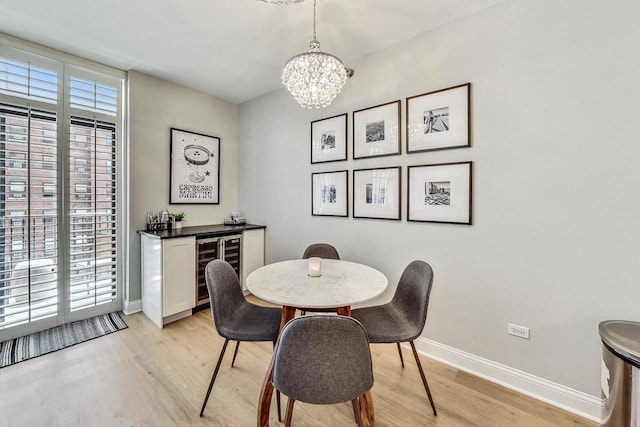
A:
[323,360]
[412,294]
[322,250]
[225,293]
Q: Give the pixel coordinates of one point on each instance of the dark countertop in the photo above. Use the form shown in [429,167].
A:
[213,230]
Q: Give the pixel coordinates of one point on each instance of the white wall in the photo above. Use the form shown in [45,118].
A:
[555,89]
[156,106]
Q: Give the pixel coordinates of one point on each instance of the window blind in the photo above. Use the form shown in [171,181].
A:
[28,212]
[28,81]
[92,212]
[93,96]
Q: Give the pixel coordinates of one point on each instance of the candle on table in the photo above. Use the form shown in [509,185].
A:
[315,266]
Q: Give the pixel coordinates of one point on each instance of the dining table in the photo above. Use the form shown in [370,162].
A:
[339,285]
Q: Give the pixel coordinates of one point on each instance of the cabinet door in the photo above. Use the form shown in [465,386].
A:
[179,275]
[151,269]
[252,253]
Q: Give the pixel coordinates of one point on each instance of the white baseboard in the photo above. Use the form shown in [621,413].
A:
[130,307]
[558,395]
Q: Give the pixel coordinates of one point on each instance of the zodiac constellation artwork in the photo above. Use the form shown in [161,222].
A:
[195,161]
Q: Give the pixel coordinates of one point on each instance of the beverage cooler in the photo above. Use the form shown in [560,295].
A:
[227,248]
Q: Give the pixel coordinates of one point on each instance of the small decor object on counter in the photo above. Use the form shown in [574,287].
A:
[158,222]
[177,219]
[164,216]
[315,267]
[235,218]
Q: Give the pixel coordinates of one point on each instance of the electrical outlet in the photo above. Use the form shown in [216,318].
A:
[518,331]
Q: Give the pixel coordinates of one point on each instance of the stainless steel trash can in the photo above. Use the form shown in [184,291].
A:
[620,373]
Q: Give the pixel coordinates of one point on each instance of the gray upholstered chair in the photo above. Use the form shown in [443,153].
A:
[403,318]
[323,360]
[234,317]
[320,250]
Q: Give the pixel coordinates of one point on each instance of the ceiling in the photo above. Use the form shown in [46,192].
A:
[233,49]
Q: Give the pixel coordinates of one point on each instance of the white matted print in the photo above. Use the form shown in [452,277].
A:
[329,139]
[376,193]
[329,193]
[376,131]
[195,168]
[439,120]
[440,193]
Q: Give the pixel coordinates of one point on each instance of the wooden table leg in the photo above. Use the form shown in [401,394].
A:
[366,406]
[344,311]
[266,393]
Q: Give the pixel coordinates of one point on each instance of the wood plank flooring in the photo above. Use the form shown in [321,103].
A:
[145,376]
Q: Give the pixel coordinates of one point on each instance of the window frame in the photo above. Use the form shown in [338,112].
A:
[67,65]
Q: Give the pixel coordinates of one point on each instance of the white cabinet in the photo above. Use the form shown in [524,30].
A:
[168,277]
[252,253]
[173,268]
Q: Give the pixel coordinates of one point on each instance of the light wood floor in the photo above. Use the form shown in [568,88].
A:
[145,376]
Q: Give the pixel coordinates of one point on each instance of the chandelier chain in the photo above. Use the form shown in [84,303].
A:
[314,19]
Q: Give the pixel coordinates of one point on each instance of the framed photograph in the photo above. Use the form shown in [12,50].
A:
[440,193]
[329,139]
[195,168]
[439,120]
[329,193]
[376,131]
[376,193]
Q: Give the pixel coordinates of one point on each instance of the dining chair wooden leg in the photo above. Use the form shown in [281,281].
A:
[278,395]
[235,353]
[357,412]
[278,403]
[400,353]
[366,409]
[215,374]
[424,379]
[287,419]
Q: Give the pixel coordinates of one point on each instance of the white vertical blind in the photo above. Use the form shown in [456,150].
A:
[28,208]
[92,212]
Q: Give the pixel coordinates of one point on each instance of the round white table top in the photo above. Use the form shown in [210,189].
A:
[342,283]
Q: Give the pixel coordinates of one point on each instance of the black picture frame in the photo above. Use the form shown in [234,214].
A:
[330,193]
[377,131]
[329,139]
[194,176]
[439,120]
[377,193]
[440,193]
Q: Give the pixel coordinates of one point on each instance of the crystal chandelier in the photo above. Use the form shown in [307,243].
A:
[314,78]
